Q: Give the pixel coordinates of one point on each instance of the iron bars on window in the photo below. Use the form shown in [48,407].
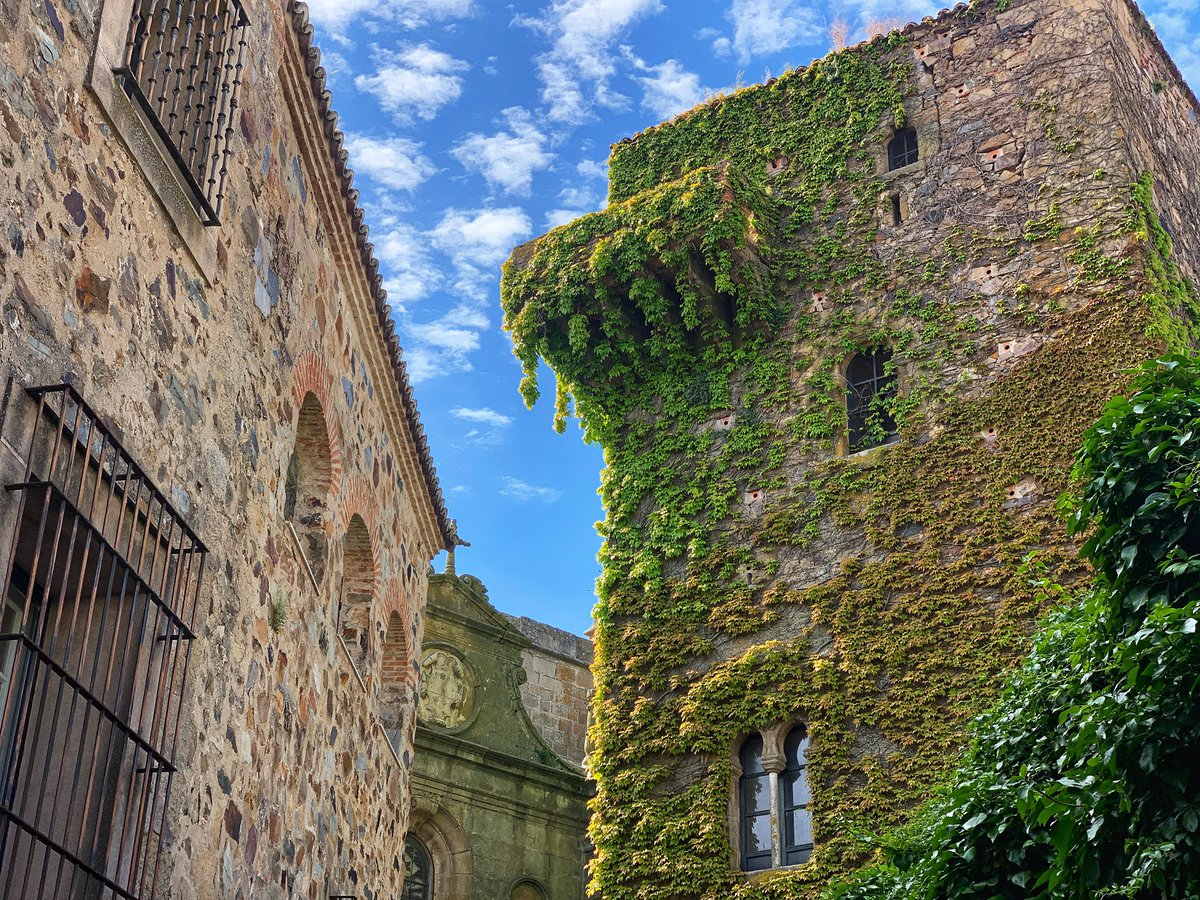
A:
[100,596]
[183,67]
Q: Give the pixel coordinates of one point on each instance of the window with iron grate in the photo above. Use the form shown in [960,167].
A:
[183,67]
[100,593]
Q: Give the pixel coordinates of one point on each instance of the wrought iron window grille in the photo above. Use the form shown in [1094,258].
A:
[101,592]
[183,67]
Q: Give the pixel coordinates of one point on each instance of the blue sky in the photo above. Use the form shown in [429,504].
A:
[474,126]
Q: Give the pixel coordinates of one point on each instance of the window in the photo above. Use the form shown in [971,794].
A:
[96,620]
[902,149]
[183,66]
[527,890]
[870,388]
[754,793]
[418,871]
[794,799]
[774,822]
[11,617]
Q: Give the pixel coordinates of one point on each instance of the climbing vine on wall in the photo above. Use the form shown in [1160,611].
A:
[751,575]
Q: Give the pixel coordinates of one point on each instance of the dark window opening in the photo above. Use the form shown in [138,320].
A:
[902,149]
[183,67]
[418,871]
[870,390]
[897,212]
[794,800]
[98,604]
[754,794]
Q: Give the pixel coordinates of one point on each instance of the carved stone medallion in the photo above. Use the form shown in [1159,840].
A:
[447,689]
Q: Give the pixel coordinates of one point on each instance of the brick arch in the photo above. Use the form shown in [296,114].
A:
[309,483]
[312,376]
[359,499]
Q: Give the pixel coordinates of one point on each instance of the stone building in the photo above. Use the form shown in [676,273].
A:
[499,793]
[220,506]
[840,335]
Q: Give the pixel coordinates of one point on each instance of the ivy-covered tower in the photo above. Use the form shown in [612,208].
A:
[839,335]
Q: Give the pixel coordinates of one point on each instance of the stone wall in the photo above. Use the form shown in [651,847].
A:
[558,686]
[201,345]
[1159,117]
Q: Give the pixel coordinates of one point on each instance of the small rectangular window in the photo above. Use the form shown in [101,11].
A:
[897,212]
[902,149]
[183,67]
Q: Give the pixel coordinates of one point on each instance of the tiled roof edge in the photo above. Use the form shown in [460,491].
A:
[329,125]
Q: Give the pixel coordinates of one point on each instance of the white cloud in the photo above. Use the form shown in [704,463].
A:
[484,415]
[405,252]
[769,26]
[556,217]
[579,197]
[396,162]
[414,81]
[1172,20]
[337,14]
[443,346]
[670,89]
[591,168]
[576,70]
[520,490]
[478,241]
[507,158]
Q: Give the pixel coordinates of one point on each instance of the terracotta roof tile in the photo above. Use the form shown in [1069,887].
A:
[316,73]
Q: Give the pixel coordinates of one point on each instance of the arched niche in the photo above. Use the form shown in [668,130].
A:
[308,482]
[395,685]
[355,618]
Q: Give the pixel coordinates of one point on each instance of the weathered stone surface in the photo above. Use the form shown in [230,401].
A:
[287,784]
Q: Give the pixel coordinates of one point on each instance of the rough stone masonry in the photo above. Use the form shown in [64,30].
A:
[252,371]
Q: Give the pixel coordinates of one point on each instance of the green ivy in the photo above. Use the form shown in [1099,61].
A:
[693,297]
[1082,781]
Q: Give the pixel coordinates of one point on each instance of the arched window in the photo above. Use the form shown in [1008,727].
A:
[358,586]
[902,149]
[870,387]
[754,795]
[307,482]
[794,799]
[418,871]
